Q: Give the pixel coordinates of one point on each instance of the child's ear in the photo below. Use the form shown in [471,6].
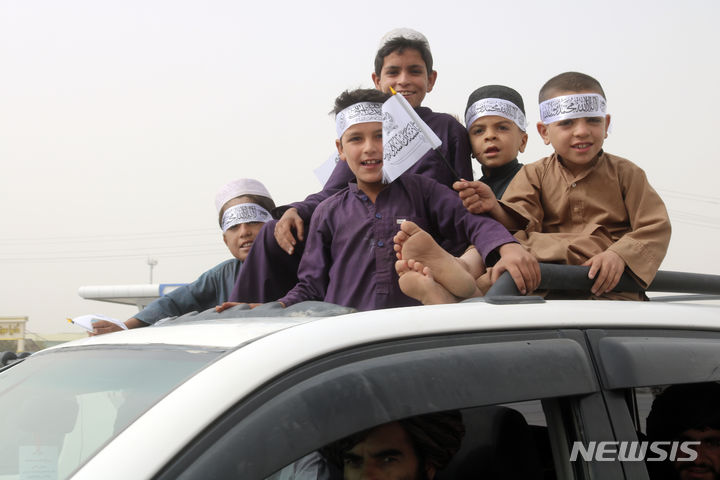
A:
[429,471]
[607,125]
[225,240]
[432,78]
[542,130]
[376,81]
[523,143]
[339,146]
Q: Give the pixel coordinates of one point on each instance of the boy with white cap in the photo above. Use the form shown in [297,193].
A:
[243,207]
[581,206]
[403,62]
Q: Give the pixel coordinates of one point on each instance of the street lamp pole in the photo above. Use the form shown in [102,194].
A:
[151,262]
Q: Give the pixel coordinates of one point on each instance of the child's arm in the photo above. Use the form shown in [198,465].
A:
[212,286]
[644,247]
[478,198]
[313,272]
[101,327]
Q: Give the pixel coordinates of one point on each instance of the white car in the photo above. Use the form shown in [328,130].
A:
[245,393]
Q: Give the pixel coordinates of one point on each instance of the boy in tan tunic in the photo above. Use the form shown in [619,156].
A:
[581,206]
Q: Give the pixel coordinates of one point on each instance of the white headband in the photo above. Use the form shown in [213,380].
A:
[362,112]
[244,213]
[495,106]
[572,106]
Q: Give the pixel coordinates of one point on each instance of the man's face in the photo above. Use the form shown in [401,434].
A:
[576,140]
[362,148]
[707,464]
[496,140]
[239,238]
[407,74]
[385,454]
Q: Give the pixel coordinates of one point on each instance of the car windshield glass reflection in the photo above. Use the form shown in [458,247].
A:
[57,410]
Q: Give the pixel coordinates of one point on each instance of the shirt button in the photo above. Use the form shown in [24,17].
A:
[574,185]
[380,243]
[377,215]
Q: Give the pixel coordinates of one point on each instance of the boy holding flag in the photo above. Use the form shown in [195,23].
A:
[403,62]
[352,263]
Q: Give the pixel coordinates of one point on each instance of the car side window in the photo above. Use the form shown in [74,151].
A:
[369,386]
[680,424]
[508,441]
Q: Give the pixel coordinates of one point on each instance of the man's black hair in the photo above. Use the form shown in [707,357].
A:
[435,437]
[351,97]
[399,45]
[570,82]
[684,407]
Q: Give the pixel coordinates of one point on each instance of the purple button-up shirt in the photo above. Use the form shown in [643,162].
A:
[349,258]
[455,147]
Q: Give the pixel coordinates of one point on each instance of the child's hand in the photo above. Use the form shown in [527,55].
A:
[103,326]
[476,196]
[522,265]
[606,268]
[289,221]
[226,305]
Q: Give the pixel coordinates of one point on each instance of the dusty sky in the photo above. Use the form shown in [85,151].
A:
[120,120]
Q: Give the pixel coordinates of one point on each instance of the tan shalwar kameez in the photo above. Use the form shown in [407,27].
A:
[570,218]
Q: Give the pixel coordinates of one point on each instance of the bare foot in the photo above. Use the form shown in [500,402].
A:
[412,242]
[416,281]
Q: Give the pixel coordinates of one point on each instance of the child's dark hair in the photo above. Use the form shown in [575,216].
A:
[570,81]
[399,44]
[351,97]
[266,202]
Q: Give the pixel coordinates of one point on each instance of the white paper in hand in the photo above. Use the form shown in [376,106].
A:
[406,138]
[86,321]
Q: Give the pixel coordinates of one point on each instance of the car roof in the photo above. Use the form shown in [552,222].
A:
[238,330]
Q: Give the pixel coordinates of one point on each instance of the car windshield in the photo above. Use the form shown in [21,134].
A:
[57,409]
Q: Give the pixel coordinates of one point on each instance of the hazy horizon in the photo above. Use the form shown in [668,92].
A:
[119,121]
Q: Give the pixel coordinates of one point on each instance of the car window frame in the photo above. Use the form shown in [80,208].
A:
[517,344]
[628,358]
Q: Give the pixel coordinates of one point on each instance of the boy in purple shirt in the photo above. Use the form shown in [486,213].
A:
[349,258]
[403,62]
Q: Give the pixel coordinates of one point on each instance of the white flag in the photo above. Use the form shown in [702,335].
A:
[406,138]
[324,171]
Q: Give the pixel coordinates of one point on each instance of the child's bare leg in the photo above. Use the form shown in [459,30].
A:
[416,281]
[415,243]
[473,262]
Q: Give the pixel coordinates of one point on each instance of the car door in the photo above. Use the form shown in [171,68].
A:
[636,364]
[547,376]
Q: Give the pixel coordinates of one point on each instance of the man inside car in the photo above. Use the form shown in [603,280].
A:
[688,412]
